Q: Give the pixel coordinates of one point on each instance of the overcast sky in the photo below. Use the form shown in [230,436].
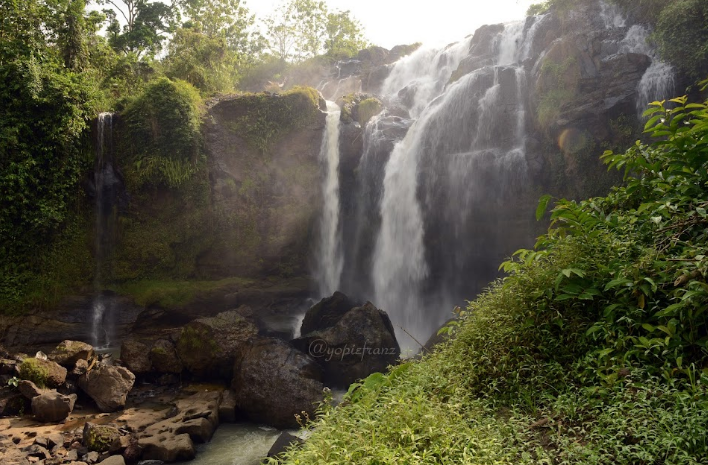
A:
[433,22]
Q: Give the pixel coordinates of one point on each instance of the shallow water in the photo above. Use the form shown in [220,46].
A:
[237,444]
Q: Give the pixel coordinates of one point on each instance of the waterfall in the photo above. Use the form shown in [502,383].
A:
[329,256]
[658,81]
[105,181]
[462,148]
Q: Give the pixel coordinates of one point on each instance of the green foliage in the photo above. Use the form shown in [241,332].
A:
[173,294]
[163,134]
[267,118]
[682,36]
[46,109]
[32,369]
[538,8]
[145,25]
[302,29]
[592,350]
[369,108]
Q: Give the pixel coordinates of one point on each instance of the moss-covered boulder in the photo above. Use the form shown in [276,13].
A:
[359,108]
[101,438]
[67,353]
[207,346]
[44,373]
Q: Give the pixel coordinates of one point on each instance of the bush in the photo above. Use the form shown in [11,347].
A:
[163,138]
[682,36]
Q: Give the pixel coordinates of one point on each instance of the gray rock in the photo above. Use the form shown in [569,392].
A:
[362,342]
[273,382]
[108,386]
[29,389]
[164,357]
[284,441]
[207,346]
[114,460]
[168,448]
[52,407]
[227,407]
[326,313]
[135,356]
[67,353]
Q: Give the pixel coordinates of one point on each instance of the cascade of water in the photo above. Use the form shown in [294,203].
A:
[329,256]
[658,81]
[423,75]
[611,16]
[454,142]
[104,179]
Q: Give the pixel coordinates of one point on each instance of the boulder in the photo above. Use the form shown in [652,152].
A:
[101,438]
[167,447]
[108,386]
[326,313]
[284,441]
[227,407]
[43,372]
[67,353]
[135,356]
[362,342]
[207,346]
[164,357]
[29,389]
[196,416]
[273,382]
[114,460]
[12,402]
[52,407]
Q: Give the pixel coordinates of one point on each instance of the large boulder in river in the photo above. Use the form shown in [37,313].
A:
[52,407]
[273,382]
[360,343]
[108,386]
[207,346]
[135,356]
[67,353]
[101,438]
[326,313]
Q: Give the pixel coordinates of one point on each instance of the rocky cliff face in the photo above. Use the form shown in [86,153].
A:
[239,232]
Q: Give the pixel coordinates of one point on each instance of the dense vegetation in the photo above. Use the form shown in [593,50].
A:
[592,350]
[154,63]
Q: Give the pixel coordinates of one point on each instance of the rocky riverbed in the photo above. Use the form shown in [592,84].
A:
[167,394]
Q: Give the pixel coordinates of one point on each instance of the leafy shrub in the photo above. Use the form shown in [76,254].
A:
[682,36]
[163,135]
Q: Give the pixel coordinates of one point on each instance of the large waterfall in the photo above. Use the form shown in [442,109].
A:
[450,172]
[329,254]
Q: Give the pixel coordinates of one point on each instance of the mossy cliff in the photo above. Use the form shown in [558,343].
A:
[230,208]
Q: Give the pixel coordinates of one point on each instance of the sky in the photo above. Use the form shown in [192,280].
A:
[433,22]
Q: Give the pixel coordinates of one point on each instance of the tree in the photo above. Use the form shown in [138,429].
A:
[297,29]
[344,36]
[146,25]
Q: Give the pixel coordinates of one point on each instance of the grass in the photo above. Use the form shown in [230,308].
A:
[174,294]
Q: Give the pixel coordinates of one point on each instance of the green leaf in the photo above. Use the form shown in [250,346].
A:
[542,206]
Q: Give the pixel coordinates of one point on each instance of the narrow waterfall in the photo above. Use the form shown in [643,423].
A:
[104,183]
[329,254]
